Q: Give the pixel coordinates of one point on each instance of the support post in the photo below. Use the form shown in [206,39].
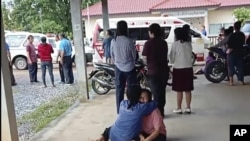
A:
[80,57]
[8,117]
[105,15]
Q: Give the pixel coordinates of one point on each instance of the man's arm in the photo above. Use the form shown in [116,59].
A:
[172,54]
[145,53]
[9,55]
[133,50]
[28,54]
[112,50]
[61,51]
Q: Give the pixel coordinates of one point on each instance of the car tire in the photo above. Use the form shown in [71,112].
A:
[21,63]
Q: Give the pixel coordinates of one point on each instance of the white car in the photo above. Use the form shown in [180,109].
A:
[18,41]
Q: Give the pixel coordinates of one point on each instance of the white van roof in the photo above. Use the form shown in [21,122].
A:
[24,33]
[143,21]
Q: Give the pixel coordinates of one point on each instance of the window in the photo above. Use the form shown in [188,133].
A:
[52,42]
[214,29]
[166,31]
[15,40]
[102,35]
[36,41]
[144,34]
[134,33]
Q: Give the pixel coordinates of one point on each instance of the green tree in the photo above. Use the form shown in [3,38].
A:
[6,17]
[242,14]
[31,14]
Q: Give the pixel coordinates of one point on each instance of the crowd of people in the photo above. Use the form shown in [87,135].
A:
[231,43]
[139,117]
[44,52]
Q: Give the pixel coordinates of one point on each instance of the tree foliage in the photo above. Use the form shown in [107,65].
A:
[242,14]
[40,15]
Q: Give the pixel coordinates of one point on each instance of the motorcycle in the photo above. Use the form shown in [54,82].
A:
[103,77]
[217,70]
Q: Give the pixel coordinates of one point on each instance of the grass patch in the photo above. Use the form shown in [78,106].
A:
[48,112]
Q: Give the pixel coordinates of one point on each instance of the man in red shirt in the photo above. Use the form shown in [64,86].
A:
[44,51]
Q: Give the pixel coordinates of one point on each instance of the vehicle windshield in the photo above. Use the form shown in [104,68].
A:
[246,27]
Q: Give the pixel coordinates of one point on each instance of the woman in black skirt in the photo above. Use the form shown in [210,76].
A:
[181,58]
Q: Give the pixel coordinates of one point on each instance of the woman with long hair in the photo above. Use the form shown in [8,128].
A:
[181,58]
[123,54]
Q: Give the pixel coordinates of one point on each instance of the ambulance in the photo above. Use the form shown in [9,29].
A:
[138,31]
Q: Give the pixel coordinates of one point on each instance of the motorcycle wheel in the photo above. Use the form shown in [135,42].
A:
[96,86]
[215,72]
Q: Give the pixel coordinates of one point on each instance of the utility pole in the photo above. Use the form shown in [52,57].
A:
[105,15]
[76,15]
[41,20]
[8,117]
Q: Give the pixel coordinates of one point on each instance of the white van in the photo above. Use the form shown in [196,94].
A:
[18,41]
[138,30]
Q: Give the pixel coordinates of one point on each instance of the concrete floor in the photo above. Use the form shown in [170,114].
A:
[214,106]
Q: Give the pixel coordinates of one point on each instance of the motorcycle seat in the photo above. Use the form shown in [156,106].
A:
[104,64]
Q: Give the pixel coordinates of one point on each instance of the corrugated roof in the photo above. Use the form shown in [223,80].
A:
[142,6]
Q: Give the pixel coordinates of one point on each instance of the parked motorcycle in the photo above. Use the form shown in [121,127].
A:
[217,70]
[103,77]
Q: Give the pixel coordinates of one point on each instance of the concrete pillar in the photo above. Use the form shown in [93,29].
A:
[206,24]
[8,117]
[80,57]
[105,15]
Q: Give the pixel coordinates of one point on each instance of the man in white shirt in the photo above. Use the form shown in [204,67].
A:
[58,59]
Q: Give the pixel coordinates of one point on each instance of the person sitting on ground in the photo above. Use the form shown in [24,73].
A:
[209,59]
[153,128]
[129,121]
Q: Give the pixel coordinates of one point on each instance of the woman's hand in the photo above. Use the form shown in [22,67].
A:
[142,138]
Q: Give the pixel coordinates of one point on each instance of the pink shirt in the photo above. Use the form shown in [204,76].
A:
[152,122]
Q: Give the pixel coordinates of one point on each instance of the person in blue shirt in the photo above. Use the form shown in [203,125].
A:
[129,121]
[65,48]
[203,31]
[13,80]
[106,46]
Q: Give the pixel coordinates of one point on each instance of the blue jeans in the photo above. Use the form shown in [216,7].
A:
[120,80]
[44,65]
[33,71]
[68,70]
[236,64]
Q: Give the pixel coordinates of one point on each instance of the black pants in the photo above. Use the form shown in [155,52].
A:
[68,70]
[12,77]
[121,79]
[61,72]
[158,87]
[49,65]
[33,71]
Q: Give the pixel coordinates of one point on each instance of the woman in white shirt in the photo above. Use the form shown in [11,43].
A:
[181,58]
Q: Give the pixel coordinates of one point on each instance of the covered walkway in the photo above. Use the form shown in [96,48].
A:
[215,107]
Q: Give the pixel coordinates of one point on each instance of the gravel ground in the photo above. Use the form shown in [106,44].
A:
[27,96]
